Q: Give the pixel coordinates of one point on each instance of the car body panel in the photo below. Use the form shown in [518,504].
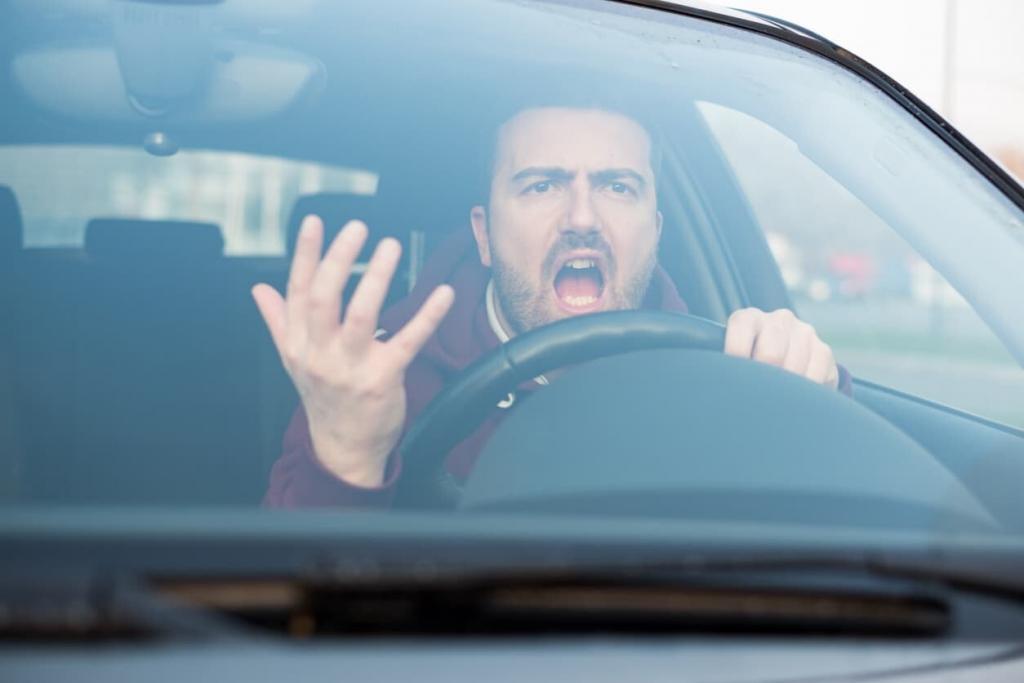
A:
[598,659]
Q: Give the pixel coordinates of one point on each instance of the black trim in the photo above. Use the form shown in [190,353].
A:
[799,37]
[943,407]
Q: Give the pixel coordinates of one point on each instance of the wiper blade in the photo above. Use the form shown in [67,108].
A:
[90,609]
[571,601]
[503,605]
[823,593]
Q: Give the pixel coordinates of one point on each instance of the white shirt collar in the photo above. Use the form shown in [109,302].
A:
[499,330]
[492,315]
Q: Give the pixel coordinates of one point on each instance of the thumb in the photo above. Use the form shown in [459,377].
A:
[271,307]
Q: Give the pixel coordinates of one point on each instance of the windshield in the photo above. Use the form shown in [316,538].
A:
[267,257]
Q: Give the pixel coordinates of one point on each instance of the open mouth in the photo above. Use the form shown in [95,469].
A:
[579,283]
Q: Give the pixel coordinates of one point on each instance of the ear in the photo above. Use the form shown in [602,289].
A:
[478,218]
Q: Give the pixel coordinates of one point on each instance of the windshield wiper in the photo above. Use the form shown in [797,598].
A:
[499,604]
[646,599]
[840,594]
[90,609]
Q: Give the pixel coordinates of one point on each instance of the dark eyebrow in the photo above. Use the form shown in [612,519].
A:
[557,173]
[550,172]
[611,174]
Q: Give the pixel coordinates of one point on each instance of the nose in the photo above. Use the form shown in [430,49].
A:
[581,217]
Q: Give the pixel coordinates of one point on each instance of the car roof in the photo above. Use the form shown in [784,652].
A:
[748,18]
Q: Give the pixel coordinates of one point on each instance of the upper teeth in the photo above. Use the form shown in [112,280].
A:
[579,300]
[580,263]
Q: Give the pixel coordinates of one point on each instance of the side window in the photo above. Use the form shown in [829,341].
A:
[889,316]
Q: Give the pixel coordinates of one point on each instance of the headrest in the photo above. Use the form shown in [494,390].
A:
[11,237]
[126,239]
[335,209]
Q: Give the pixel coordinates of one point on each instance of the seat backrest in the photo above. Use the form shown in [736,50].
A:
[11,445]
[152,243]
[158,401]
[11,228]
[335,209]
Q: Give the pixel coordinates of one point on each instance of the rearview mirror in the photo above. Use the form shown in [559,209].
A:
[166,62]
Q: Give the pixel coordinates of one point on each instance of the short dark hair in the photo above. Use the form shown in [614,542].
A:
[631,110]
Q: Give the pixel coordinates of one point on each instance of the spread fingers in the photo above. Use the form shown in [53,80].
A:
[329,281]
[411,338]
[271,308]
[300,276]
[363,309]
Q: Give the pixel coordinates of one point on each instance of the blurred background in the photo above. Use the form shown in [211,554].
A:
[962,58]
[889,316]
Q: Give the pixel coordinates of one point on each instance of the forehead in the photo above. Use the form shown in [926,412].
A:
[572,139]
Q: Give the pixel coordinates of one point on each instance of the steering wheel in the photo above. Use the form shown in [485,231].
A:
[466,401]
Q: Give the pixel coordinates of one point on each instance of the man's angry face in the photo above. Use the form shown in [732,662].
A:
[572,226]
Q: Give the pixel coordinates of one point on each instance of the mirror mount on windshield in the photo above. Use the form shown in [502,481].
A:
[166,63]
[145,35]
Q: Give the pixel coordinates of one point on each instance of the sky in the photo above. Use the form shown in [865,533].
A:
[908,39]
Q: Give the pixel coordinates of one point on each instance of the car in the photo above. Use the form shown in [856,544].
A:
[657,510]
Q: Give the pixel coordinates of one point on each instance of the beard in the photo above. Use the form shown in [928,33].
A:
[526,307]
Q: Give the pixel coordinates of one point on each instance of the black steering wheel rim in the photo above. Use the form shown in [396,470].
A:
[466,401]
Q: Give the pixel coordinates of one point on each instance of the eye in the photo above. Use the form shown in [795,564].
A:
[540,187]
[620,188]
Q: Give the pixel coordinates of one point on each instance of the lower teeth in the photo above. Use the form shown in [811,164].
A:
[579,300]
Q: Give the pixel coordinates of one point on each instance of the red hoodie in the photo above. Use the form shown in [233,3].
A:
[299,480]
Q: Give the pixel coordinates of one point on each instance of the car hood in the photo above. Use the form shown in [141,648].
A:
[711,661]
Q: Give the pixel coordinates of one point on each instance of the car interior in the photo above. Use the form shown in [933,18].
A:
[138,361]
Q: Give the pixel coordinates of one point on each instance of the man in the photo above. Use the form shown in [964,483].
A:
[571,227]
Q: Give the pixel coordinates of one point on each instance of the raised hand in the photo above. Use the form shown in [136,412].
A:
[350,383]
